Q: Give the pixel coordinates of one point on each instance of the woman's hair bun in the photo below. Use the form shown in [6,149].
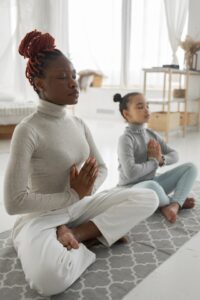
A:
[117,98]
[36,42]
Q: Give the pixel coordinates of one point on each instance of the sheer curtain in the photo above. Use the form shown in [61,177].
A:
[176,12]
[149,40]
[95,36]
[150,45]
[125,42]
[119,38]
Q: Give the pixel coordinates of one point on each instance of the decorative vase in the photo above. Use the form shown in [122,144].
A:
[188,60]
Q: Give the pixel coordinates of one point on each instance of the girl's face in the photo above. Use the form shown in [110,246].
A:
[138,110]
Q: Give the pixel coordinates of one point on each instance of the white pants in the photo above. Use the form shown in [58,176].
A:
[48,266]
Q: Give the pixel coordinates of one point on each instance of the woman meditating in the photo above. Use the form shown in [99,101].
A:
[52,175]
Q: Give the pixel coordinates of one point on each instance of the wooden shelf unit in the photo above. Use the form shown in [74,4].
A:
[167,100]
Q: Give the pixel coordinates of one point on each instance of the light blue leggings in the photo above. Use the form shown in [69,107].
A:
[178,180]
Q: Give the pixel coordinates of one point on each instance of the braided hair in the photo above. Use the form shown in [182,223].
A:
[40,49]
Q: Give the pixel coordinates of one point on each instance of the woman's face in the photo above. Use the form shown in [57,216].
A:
[138,110]
[59,85]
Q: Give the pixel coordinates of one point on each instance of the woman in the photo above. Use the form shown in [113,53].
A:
[53,172]
[142,151]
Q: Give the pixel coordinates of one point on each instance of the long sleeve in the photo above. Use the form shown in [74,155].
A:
[133,171]
[171,155]
[17,196]
[102,169]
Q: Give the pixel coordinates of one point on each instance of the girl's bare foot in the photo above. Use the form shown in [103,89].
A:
[67,238]
[170,212]
[189,203]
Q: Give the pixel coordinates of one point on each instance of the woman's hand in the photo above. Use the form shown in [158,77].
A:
[83,181]
[154,150]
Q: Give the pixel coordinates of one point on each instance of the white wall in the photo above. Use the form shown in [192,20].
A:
[97,103]
[193,22]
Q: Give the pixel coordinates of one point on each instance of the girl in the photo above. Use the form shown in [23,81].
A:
[141,152]
[53,173]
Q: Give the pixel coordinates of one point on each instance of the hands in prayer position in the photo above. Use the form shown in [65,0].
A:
[82,182]
[154,150]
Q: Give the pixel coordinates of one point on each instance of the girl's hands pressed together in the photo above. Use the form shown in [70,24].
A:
[82,182]
[154,150]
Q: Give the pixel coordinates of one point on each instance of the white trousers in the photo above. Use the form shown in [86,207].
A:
[48,266]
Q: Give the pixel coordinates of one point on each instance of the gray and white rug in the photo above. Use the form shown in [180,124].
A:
[118,269]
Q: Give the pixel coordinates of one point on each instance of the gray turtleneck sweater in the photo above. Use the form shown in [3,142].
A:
[44,147]
[134,165]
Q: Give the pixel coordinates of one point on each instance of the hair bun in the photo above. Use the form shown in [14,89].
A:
[117,98]
[36,42]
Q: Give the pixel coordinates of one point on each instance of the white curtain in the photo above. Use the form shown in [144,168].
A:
[17,17]
[150,45]
[95,37]
[176,12]
[125,41]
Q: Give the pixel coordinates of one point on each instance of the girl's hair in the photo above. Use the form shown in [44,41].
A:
[40,49]
[123,101]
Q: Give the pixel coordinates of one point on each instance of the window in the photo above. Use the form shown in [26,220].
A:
[95,36]
[150,46]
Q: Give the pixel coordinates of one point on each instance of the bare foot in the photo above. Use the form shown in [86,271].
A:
[67,238]
[189,203]
[170,212]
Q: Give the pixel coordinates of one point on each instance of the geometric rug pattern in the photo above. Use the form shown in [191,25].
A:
[118,269]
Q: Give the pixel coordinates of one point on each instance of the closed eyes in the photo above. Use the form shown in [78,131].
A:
[63,77]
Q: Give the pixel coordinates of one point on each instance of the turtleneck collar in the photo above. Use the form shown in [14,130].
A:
[51,109]
[137,127]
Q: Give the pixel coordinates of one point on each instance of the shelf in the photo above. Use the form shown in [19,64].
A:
[175,100]
[167,119]
[161,102]
[171,70]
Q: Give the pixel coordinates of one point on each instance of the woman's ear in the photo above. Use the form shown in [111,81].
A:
[39,84]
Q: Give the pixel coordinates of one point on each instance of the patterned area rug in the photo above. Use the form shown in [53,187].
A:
[117,270]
